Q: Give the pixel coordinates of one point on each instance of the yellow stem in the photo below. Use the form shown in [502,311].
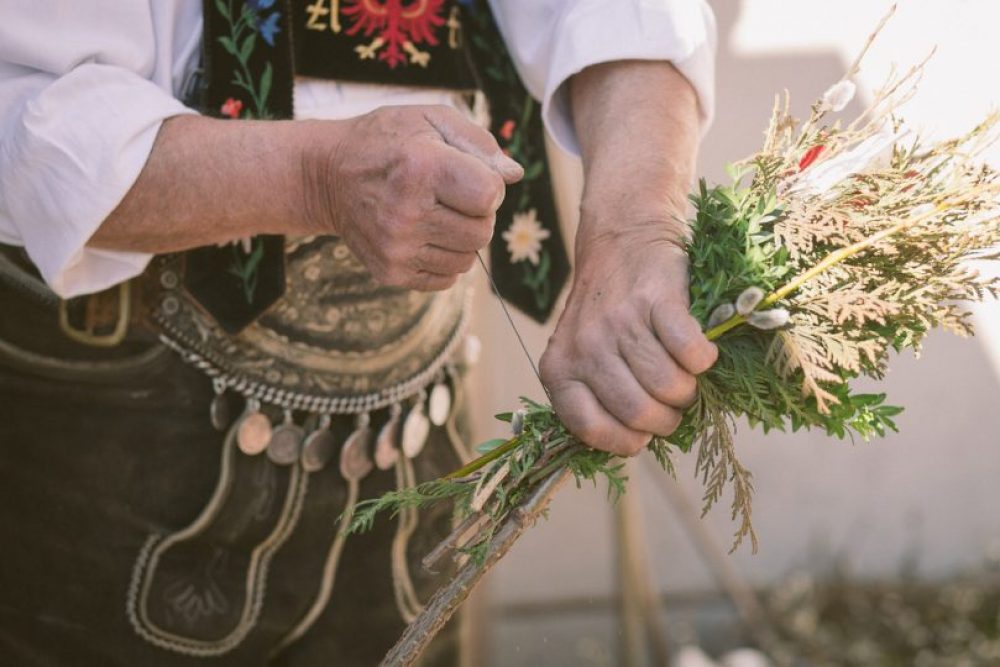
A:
[492,455]
[834,258]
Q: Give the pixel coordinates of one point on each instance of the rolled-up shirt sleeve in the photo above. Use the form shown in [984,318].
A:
[79,113]
[551,40]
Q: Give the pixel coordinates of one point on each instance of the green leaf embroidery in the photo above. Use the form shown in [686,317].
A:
[227,44]
[247,47]
[265,83]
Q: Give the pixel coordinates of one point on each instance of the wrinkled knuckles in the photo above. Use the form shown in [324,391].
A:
[608,437]
[649,417]
[704,357]
[467,262]
[670,423]
[433,283]
[488,194]
[412,170]
[678,389]
[627,444]
[591,434]
[483,231]
[589,339]
[395,256]
[552,367]
[393,225]
[393,276]
[623,316]
[695,353]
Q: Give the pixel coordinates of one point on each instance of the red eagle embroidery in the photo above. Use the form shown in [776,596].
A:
[398,27]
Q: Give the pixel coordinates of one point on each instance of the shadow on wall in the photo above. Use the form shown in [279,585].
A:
[745,90]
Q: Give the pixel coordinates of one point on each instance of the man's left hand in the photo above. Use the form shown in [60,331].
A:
[621,365]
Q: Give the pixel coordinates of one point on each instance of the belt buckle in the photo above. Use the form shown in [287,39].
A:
[86,335]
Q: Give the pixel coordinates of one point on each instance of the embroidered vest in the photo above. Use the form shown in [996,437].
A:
[253,50]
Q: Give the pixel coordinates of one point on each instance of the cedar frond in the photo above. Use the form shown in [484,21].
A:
[799,350]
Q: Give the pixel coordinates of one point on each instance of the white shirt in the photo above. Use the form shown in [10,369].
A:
[85,85]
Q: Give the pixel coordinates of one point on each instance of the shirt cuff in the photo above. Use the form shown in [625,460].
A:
[680,31]
[66,163]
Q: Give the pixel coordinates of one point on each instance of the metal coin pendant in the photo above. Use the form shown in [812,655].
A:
[221,409]
[386,451]
[254,433]
[219,412]
[317,450]
[355,462]
[285,444]
[416,428]
[439,404]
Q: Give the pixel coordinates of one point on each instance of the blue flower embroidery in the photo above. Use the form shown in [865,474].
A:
[269,27]
[259,5]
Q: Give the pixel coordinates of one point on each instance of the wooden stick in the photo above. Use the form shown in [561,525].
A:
[446,601]
[739,592]
[454,540]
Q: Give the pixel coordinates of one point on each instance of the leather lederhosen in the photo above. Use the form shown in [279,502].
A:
[171,495]
[104,454]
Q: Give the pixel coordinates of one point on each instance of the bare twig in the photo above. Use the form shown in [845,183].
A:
[454,540]
[446,601]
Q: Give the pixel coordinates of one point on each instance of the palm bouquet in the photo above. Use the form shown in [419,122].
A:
[834,245]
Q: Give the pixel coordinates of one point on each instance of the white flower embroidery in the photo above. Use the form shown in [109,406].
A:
[524,237]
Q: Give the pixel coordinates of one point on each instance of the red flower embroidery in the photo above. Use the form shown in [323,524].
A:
[398,28]
[232,108]
[507,130]
[811,156]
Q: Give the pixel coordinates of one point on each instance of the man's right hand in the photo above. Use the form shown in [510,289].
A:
[412,190]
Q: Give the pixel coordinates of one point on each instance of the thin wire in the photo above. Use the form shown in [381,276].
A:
[510,321]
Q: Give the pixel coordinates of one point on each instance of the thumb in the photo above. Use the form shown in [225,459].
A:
[464,135]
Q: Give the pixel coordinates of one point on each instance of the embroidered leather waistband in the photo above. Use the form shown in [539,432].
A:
[334,342]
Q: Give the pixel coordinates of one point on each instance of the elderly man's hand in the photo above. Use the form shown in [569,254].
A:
[621,365]
[413,191]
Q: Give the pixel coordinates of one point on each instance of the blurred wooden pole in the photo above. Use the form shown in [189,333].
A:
[643,632]
[744,599]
